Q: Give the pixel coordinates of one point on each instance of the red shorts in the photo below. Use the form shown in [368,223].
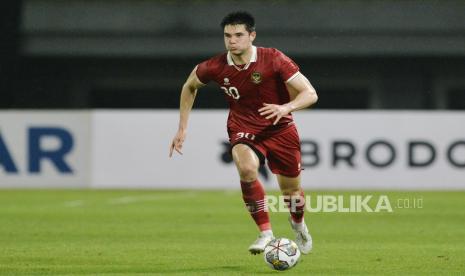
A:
[281,150]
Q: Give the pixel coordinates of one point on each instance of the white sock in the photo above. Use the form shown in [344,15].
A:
[299,226]
[267,233]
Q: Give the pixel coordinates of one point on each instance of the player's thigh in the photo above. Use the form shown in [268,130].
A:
[245,157]
[283,154]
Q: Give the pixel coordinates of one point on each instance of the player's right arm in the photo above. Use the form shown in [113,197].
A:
[188,93]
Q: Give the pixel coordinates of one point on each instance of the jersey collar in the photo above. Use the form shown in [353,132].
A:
[253,58]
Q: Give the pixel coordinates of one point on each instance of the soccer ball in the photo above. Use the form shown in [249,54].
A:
[281,254]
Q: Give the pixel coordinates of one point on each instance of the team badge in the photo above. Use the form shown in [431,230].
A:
[256,77]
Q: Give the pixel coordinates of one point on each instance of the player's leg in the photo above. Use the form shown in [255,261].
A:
[295,200]
[284,160]
[293,196]
[247,164]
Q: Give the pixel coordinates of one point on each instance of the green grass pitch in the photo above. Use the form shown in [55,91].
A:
[99,232]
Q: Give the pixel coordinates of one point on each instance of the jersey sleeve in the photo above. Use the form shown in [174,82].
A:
[286,67]
[203,72]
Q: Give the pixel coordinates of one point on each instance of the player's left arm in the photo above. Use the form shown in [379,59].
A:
[302,95]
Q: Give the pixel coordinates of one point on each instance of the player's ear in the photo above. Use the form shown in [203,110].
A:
[253,35]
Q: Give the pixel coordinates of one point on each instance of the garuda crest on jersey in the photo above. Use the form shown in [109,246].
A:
[256,77]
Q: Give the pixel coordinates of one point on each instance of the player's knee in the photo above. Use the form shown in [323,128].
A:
[248,172]
[290,191]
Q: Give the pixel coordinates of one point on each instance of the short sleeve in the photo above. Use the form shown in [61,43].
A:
[203,72]
[285,66]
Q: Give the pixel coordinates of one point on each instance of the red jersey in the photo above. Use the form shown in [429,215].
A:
[262,80]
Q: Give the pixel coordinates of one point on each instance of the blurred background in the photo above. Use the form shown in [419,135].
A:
[90,92]
[136,54]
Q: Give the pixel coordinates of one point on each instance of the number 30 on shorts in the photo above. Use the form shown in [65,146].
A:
[245,135]
[232,92]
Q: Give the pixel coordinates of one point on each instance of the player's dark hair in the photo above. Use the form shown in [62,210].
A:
[239,17]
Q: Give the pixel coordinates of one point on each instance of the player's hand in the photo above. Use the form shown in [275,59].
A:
[274,110]
[178,140]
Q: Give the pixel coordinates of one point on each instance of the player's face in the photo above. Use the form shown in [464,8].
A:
[237,39]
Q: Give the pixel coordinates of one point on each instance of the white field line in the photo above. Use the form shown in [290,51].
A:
[124,200]
[133,199]
[136,199]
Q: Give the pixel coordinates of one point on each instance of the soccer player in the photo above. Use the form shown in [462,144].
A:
[263,86]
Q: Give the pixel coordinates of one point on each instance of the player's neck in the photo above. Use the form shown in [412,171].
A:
[243,58]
